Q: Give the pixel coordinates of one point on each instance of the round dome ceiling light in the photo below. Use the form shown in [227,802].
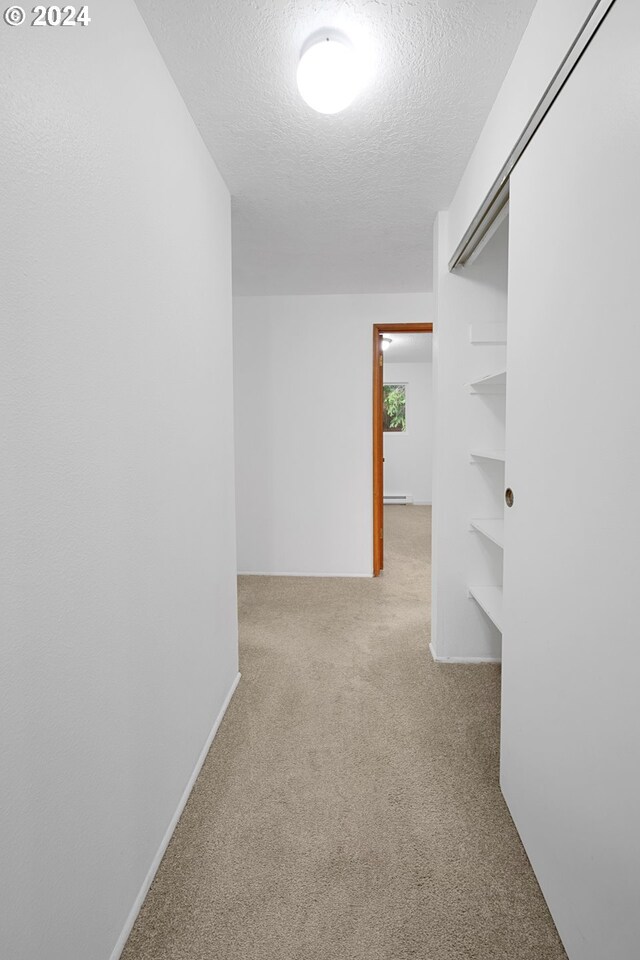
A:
[329,76]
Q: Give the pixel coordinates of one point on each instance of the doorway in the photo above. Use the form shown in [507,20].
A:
[381,332]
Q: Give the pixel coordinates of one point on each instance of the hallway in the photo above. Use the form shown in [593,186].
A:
[350,807]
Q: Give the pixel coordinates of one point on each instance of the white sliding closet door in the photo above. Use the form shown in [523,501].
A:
[571,640]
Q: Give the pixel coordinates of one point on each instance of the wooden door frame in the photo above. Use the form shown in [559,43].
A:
[378,482]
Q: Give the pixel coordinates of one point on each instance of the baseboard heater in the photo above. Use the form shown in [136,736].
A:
[398,498]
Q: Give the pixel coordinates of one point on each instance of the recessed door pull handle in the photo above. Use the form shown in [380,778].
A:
[508,497]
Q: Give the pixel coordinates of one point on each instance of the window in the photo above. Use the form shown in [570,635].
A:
[394,400]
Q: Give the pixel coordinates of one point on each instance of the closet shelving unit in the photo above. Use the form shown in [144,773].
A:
[488,386]
[492,384]
[489,597]
[488,455]
[492,528]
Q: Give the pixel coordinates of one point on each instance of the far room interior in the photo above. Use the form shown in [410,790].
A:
[408,421]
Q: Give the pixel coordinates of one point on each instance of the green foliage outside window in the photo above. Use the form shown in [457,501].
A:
[395,407]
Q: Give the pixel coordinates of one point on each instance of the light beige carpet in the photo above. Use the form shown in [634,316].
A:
[349,808]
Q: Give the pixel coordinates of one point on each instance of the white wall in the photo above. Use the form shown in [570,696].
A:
[551,31]
[408,455]
[117,506]
[303,394]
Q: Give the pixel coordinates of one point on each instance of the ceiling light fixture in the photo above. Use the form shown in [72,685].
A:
[385,343]
[329,74]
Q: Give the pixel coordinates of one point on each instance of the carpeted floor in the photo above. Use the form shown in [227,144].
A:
[349,808]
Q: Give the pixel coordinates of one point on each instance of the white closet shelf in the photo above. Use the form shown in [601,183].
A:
[493,383]
[488,455]
[490,599]
[492,528]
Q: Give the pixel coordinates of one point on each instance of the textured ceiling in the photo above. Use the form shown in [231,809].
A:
[344,203]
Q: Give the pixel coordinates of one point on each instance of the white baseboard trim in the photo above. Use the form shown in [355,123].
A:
[135,910]
[463,659]
[326,576]
[422,503]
